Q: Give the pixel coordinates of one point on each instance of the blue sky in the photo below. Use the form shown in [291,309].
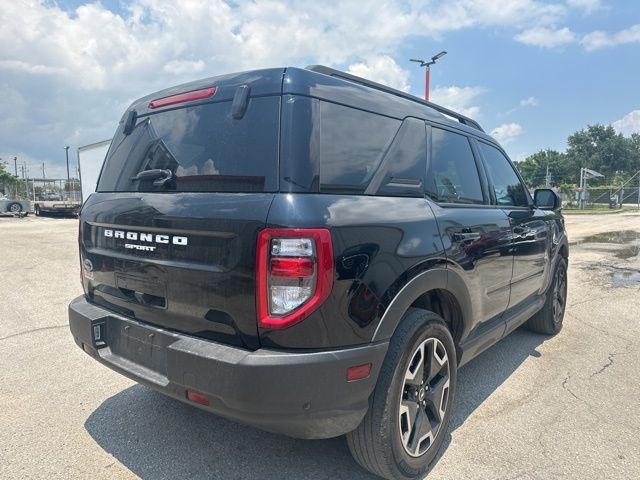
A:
[573,87]
[531,71]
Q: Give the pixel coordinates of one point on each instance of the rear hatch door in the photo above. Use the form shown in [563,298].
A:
[175,245]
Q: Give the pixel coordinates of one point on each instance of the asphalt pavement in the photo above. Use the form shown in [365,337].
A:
[531,407]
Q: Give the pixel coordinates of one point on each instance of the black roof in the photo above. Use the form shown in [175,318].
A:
[378,86]
[324,83]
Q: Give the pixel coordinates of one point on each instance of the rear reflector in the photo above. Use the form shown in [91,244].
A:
[197,397]
[183,97]
[358,372]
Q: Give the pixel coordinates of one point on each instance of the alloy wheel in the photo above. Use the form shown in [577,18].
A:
[424,397]
[559,294]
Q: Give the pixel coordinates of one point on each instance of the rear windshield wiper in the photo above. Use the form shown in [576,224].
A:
[158,175]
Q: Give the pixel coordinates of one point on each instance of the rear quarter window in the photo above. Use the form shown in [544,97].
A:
[352,145]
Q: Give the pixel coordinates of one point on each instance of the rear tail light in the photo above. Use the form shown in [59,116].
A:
[294,274]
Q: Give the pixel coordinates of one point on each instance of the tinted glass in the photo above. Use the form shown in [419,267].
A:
[204,148]
[453,174]
[403,166]
[352,144]
[506,184]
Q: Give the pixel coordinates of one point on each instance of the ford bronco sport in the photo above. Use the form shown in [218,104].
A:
[313,254]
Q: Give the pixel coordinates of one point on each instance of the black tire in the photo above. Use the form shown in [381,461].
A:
[14,207]
[378,444]
[549,319]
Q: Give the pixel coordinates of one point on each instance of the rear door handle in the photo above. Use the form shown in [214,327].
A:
[465,236]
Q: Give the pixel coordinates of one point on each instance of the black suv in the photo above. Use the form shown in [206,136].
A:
[313,254]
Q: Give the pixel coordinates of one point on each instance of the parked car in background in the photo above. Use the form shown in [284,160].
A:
[17,207]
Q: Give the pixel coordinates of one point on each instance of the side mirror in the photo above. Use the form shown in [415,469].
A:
[547,199]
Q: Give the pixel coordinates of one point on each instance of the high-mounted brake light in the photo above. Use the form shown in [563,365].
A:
[183,97]
[294,274]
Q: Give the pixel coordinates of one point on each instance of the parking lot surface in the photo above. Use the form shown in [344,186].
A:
[531,407]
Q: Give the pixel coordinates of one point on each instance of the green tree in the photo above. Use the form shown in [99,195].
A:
[599,148]
[534,168]
[634,141]
[8,182]
[6,178]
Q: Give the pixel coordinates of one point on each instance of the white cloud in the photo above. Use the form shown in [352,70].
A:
[628,124]
[66,77]
[546,37]
[35,69]
[520,156]
[459,99]
[383,69]
[597,40]
[33,166]
[588,6]
[529,102]
[181,67]
[507,132]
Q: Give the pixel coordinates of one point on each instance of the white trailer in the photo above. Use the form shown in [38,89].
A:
[90,160]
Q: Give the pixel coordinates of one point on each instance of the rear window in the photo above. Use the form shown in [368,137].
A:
[204,148]
[352,145]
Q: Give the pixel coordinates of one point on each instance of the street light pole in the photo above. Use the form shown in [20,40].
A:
[427,72]
[427,75]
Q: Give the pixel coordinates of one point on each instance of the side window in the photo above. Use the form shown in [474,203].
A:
[506,184]
[403,167]
[352,145]
[453,175]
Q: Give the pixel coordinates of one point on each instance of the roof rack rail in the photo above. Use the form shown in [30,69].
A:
[353,78]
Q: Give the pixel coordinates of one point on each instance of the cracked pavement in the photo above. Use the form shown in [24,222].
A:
[531,407]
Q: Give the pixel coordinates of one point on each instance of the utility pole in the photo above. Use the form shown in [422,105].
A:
[43,175]
[66,150]
[427,71]
[15,165]
[581,188]
[547,178]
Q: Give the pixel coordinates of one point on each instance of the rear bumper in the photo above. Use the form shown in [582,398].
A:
[303,395]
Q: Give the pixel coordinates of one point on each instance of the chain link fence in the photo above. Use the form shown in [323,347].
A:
[41,189]
[602,197]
